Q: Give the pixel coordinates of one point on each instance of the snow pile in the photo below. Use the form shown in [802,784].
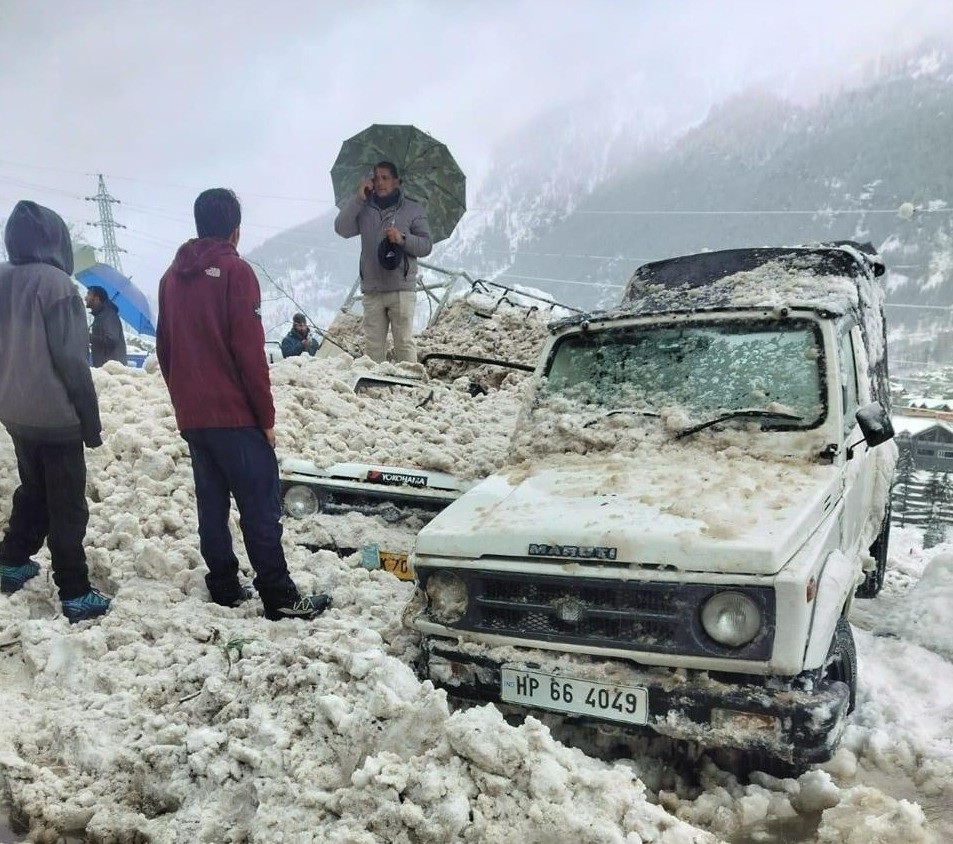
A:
[924,617]
[192,725]
[508,329]
[780,285]
[511,328]
[437,425]
[172,719]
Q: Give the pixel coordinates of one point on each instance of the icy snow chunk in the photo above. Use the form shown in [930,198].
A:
[868,816]
[817,791]
[483,737]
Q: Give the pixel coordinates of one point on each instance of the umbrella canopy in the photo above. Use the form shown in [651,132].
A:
[129,300]
[428,171]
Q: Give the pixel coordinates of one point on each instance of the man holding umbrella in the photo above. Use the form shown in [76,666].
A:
[394,232]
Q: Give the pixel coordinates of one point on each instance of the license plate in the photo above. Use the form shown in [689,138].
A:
[396,564]
[628,704]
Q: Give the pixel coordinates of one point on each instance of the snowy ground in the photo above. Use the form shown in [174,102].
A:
[174,720]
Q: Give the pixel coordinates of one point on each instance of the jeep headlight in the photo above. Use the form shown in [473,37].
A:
[731,618]
[447,596]
[300,501]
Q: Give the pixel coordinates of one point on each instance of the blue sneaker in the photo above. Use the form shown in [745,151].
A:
[91,605]
[14,577]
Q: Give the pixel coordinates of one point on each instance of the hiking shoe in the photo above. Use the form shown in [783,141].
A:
[244,593]
[296,606]
[91,605]
[12,578]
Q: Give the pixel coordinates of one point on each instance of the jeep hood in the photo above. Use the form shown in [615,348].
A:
[695,512]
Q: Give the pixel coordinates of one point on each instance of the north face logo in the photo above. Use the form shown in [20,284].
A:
[214,272]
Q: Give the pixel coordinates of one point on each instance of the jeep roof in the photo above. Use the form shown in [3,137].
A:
[831,279]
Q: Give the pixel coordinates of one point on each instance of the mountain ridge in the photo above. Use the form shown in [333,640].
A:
[756,170]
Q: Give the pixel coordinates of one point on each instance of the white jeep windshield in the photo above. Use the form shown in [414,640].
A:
[706,369]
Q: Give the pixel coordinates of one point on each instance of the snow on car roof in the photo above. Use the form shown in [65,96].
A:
[836,278]
[822,276]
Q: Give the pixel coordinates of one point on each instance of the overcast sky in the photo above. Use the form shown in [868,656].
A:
[169,97]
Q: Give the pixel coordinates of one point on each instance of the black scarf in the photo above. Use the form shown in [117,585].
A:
[383,202]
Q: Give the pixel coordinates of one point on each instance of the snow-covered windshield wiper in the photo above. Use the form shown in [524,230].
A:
[751,413]
[634,411]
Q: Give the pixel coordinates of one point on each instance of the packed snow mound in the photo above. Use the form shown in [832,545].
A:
[170,723]
[511,328]
[172,719]
[924,617]
[438,425]
[488,323]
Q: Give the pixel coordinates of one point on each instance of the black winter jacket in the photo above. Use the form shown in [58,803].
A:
[106,338]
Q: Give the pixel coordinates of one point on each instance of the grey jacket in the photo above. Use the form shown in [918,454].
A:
[46,389]
[362,218]
[106,338]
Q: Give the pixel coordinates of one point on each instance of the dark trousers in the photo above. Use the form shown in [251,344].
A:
[50,505]
[238,462]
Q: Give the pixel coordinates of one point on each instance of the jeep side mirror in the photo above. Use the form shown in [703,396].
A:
[875,425]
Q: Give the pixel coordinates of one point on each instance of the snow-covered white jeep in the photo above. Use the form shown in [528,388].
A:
[691,500]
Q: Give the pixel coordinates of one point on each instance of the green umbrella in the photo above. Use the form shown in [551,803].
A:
[429,173]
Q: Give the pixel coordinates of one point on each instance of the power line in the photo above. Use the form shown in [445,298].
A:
[311,200]
[33,186]
[560,280]
[936,209]
[244,194]
[173,217]
[920,307]
[293,301]
[820,212]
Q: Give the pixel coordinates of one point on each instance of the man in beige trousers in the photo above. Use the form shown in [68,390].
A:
[394,233]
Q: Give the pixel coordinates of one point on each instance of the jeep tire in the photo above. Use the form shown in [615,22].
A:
[874,579]
[841,662]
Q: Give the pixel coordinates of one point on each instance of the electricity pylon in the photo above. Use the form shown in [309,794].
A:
[106,222]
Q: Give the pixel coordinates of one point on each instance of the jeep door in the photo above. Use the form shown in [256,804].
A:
[859,465]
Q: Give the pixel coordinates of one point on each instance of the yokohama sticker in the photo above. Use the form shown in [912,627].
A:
[376,476]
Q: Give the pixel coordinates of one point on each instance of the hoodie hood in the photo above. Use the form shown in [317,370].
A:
[37,235]
[200,254]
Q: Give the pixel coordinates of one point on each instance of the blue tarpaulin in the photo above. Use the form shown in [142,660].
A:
[130,301]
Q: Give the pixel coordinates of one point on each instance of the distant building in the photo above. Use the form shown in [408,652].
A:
[931,439]
[941,408]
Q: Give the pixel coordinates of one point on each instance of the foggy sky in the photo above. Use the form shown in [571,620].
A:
[168,98]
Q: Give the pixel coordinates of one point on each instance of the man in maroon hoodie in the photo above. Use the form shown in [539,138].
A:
[210,345]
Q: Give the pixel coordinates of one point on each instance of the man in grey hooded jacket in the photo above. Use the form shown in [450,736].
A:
[48,405]
[394,232]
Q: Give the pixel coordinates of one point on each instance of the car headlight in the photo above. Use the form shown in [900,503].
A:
[731,618]
[447,594]
[300,501]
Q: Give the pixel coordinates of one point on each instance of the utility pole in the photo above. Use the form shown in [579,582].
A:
[106,222]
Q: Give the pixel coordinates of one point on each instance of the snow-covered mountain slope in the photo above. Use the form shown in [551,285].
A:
[584,195]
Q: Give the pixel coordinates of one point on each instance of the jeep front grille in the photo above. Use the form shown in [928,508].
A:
[655,617]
